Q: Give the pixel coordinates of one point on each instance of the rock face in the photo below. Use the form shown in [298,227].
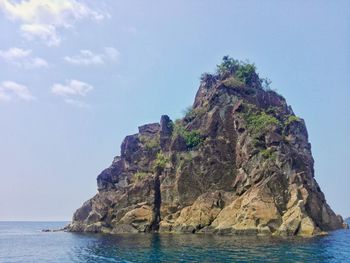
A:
[239,162]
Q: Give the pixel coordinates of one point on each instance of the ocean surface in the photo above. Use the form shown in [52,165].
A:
[24,242]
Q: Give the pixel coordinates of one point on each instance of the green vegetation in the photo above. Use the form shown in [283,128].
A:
[242,71]
[161,161]
[235,73]
[186,156]
[232,82]
[191,113]
[246,73]
[272,110]
[228,65]
[292,118]
[207,77]
[149,142]
[178,128]
[192,138]
[268,154]
[258,123]
[242,74]
[140,176]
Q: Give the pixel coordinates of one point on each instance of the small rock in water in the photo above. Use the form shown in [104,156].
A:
[52,230]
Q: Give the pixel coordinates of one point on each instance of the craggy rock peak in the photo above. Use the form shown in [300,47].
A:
[239,162]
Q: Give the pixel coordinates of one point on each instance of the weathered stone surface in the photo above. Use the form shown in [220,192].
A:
[149,129]
[238,163]
[166,126]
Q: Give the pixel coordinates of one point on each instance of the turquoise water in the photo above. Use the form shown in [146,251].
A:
[24,242]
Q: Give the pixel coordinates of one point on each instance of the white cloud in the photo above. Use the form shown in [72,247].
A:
[22,58]
[72,88]
[72,91]
[10,90]
[14,53]
[87,57]
[41,18]
[46,33]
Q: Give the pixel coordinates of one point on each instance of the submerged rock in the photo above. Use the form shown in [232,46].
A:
[238,163]
[53,230]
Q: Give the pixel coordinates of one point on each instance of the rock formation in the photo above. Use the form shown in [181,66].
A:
[239,162]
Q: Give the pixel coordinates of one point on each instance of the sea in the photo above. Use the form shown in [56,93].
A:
[25,242]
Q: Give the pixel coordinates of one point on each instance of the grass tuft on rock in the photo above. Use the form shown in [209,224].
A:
[192,138]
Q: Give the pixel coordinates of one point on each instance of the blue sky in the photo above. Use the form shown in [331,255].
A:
[77,76]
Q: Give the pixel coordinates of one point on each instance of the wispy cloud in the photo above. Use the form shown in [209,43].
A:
[46,33]
[42,18]
[111,53]
[72,88]
[14,53]
[10,90]
[22,58]
[87,57]
[72,91]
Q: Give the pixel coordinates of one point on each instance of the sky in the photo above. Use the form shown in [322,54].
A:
[77,76]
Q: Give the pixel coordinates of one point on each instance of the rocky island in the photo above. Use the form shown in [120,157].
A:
[238,162]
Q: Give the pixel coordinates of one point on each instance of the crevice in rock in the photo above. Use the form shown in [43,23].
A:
[297,229]
[154,226]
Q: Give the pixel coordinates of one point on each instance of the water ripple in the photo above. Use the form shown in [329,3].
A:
[35,246]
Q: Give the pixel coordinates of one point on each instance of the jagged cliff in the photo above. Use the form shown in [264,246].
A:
[239,162]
